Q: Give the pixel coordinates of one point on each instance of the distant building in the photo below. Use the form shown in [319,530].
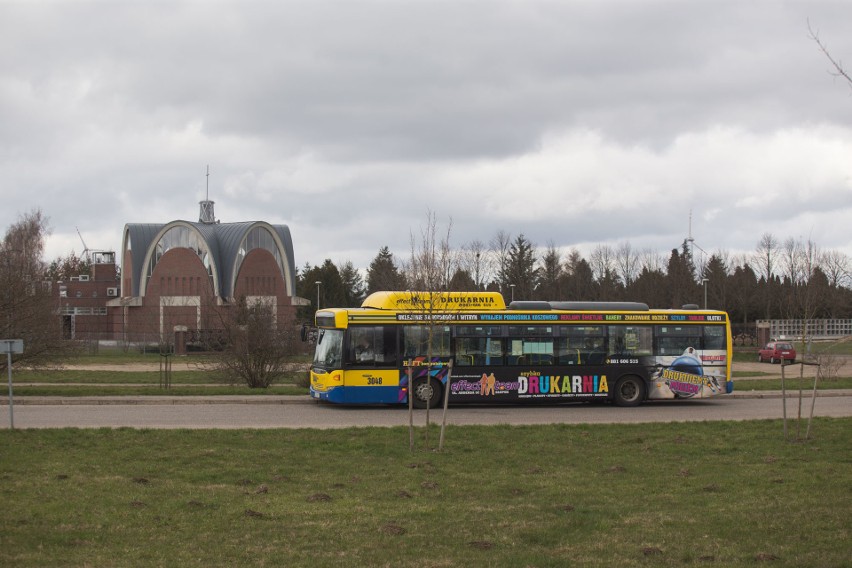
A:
[83,299]
[185,276]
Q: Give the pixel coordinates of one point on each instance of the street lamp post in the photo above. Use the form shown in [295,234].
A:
[512,286]
[705,281]
[318,293]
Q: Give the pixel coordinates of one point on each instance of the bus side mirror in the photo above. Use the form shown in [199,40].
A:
[303,333]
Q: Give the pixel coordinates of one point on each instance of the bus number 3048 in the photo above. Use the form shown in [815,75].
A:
[374,380]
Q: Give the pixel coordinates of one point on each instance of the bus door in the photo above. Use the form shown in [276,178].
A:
[371,370]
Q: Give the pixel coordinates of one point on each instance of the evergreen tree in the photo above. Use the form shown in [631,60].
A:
[821,293]
[331,289]
[650,288]
[609,286]
[716,274]
[520,269]
[462,281]
[383,273]
[744,294]
[579,281]
[680,279]
[353,284]
[550,275]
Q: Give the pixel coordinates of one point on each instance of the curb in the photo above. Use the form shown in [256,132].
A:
[790,394]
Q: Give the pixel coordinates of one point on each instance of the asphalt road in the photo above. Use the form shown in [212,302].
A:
[300,412]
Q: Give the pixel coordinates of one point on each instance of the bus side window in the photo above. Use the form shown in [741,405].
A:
[581,345]
[673,340]
[631,340]
[465,351]
[714,337]
[416,340]
[472,351]
[565,355]
[593,351]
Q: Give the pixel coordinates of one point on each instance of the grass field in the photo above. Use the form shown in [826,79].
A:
[692,494]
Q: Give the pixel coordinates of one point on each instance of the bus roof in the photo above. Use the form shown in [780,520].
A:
[462,307]
[441,301]
[490,301]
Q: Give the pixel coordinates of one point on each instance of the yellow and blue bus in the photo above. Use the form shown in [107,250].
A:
[529,351]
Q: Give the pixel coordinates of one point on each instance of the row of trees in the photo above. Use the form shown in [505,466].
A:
[792,278]
[779,279]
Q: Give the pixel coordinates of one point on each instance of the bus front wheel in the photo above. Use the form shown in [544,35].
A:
[427,392]
[629,391]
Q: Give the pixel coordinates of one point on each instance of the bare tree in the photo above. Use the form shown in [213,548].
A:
[763,263]
[257,348]
[791,261]
[501,245]
[475,259]
[651,261]
[28,306]
[725,256]
[602,261]
[431,262]
[626,263]
[429,268]
[806,283]
[837,267]
[764,256]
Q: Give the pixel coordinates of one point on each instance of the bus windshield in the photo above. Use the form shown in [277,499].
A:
[329,351]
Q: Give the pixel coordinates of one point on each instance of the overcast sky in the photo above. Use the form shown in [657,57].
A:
[575,123]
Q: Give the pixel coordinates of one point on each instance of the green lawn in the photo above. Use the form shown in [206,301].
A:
[746,354]
[690,494]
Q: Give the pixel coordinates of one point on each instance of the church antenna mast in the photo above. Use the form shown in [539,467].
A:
[206,214]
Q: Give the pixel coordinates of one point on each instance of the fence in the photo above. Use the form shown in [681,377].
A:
[814,329]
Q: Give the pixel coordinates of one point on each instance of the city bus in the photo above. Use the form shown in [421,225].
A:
[481,351]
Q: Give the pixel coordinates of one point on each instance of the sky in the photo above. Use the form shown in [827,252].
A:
[574,123]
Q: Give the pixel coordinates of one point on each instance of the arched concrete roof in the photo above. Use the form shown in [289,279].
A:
[223,243]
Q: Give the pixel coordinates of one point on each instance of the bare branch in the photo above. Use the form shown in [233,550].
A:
[838,65]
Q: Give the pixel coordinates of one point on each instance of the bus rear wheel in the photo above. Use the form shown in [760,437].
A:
[629,391]
[426,392]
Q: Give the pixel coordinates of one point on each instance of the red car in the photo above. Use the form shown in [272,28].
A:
[777,351]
